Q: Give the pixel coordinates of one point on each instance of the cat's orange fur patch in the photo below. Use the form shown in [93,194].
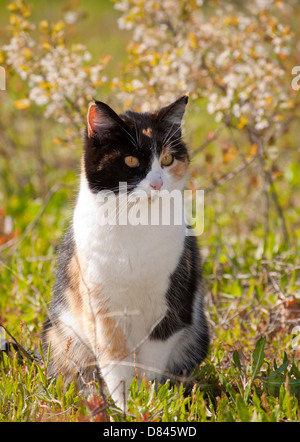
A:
[82,167]
[63,353]
[178,168]
[147,132]
[165,151]
[74,296]
[85,302]
[89,334]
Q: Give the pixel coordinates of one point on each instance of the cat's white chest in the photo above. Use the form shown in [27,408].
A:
[132,264]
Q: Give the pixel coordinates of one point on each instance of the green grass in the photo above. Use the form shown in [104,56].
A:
[251,373]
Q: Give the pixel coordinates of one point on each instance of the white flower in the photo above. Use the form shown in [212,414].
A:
[263,124]
[37,95]
[71,17]
[210,108]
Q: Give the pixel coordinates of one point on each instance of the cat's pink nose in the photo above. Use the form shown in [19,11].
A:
[156,183]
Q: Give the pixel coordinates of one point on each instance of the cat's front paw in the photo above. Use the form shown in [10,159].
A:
[118,379]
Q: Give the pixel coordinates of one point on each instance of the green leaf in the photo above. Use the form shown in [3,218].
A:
[228,387]
[243,409]
[294,370]
[258,360]
[236,359]
[258,356]
[247,391]
[282,367]
[59,388]
[48,356]
[42,375]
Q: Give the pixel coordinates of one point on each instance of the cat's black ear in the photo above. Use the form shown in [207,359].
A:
[173,113]
[101,118]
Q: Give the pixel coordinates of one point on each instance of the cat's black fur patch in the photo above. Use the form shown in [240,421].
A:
[62,281]
[125,134]
[184,283]
[181,292]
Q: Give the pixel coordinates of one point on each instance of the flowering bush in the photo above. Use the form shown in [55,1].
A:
[59,78]
[237,60]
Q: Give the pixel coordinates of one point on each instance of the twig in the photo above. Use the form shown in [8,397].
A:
[266,206]
[211,75]
[60,413]
[167,21]
[208,141]
[278,206]
[231,175]
[20,347]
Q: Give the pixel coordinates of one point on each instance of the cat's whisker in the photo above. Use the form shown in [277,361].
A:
[136,133]
[130,136]
[179,139]
[172,135]
[166,137]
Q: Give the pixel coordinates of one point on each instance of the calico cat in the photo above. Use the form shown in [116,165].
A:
[127,298]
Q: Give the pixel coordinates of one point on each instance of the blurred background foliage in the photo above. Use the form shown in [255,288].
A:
[243,136]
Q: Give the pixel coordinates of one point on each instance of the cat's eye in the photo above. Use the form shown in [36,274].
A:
[167,159]
[132,161]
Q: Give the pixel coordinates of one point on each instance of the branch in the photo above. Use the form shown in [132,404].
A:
[208,141]
[266,207]
[19,346]
[232,174]
[274,195]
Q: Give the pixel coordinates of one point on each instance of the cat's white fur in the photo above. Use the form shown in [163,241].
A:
[132,264]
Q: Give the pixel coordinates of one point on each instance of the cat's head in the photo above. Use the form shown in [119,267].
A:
[145,150]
